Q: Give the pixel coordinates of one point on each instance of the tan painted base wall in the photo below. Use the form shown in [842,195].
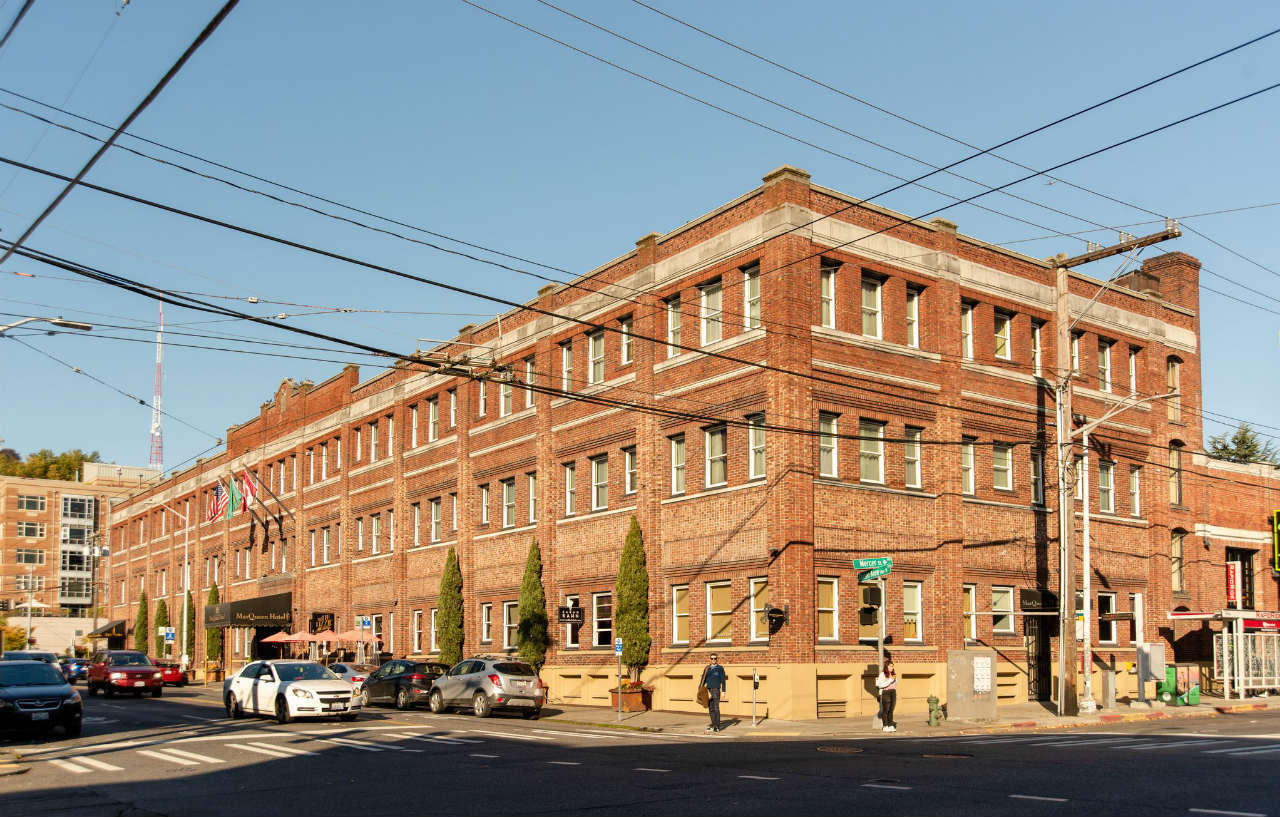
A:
[794,691]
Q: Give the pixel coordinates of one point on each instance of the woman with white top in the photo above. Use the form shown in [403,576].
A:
[887,683]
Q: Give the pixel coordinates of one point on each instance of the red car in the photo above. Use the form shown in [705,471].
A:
[170,672]
[112,671]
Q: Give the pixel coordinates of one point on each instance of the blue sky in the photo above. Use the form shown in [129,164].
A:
[447,118]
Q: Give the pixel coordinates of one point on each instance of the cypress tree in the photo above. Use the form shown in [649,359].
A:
[449,611]
[190,646]
[531,634]
[140,625]
[631,608]
[213,635]
[162,620]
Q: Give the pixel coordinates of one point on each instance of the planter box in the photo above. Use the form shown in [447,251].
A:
[633,700]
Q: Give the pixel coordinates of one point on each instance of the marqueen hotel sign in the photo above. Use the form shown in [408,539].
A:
[264,611]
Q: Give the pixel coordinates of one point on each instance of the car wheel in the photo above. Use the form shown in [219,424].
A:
[157,692]
[436,702]
[73,728]
[348,717]
[233,708]
[480,705]
[531,714]
[282,711]
[364,697]
[402,699]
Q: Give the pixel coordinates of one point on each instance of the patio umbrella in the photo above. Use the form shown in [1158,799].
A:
[326,635]
[281,637]
[356,636]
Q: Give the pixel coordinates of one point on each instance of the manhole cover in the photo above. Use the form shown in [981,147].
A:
[840,750]
[944,755]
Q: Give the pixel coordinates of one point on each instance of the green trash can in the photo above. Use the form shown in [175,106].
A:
[1167,690]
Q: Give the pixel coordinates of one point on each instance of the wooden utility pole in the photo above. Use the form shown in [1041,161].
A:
[1068,668]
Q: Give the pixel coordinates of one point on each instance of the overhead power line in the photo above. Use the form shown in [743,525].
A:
[13,24]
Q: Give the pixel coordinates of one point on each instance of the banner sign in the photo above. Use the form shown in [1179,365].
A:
[264,611]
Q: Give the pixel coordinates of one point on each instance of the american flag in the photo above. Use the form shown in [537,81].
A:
[217,502]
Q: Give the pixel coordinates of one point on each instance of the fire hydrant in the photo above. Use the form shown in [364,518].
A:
[935,711]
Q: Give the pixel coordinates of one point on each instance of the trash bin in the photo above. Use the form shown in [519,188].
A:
[1167,690]
[1188,684]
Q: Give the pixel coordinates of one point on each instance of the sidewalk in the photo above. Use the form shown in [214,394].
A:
[1011,717]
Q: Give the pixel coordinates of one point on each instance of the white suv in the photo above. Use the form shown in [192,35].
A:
[486,683]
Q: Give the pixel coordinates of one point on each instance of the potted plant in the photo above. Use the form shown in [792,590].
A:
[636,697]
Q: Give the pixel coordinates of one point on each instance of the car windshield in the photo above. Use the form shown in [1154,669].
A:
[14,675]
[304,672]
[128,659]
[513,668]
[430,670]
[47,657]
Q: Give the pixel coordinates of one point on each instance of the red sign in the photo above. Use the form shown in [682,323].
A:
[1260,624]
[1233,572]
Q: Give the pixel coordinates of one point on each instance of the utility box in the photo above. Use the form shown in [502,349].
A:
[1151,662]
[1109,689]
[971,685]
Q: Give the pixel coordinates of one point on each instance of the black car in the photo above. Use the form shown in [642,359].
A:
[33,694]
[400,682]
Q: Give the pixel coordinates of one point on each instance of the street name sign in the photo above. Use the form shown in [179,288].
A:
[872,564]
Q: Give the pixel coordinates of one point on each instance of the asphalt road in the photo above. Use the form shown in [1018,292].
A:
[177,755]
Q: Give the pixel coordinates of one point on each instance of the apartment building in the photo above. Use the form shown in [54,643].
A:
[789,382]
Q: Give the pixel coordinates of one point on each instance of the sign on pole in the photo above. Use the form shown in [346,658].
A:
[876,573]
[885,562]
[617,646]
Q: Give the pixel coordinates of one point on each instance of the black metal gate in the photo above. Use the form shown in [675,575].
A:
[1039,657]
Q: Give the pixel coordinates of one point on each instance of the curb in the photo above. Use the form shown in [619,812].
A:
[11,767]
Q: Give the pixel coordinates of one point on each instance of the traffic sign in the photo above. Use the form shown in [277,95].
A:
[885,562]
[617,646]
[169,635]
[366,622]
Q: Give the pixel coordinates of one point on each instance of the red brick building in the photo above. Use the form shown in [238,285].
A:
[778,388]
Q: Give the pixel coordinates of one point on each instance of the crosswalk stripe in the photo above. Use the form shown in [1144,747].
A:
[429,738]
[1001,740]
[1239,748]
[658,771]
[1147,746]
[592,736]
[510,735]
[289,750]
[259,749]
[1248,751]
[353,744]
[98,764]
[181,761]
[193,755]
[68,766]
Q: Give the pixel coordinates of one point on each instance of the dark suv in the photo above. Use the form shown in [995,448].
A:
[34,694]
[400,682]
[113,671]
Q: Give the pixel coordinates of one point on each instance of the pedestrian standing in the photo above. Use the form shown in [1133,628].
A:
[887,683]
[714,679]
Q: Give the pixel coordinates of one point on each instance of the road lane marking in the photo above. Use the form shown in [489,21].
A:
[68,766]
[510,735]
[291,750]
[181,761]
[883,786]
[563,763]
[260,749]
[429,738]
[1240,748]
[1245,750]
[756,777]
[192,755]
[1228,813]
[655,771]
[595,736]
[1080,742]
[1147,746]
[1038,797]
[488,756]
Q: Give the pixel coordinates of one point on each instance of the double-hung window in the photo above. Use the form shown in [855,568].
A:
[570,488]
[828,463]
[509,503]
[1133,370]
[827,295]
[373,449]
[759,609]
[1106,629]
[755,445]
[532,478]
[969,612]
[1107,487]
[677,464]
[1037,477]
[529,376]
[1075,353]
[1002,466]
[871,306]
[966,331]
[453,407]
[433,419]
[751,297]
[484,504]
[911,456]
[506,399]
[595,354]
[680,614]
[626,348]
[510,624]
[827,604]
[571,628]
[1003,335]
[602,619]
[1002,606]
[966,465]
[1175,473]
[1135,491]
[913,317]
[1177,582]
[486,623]
[436,533]
[1037,348]
[675,315]
[631,470]
[912,612]
[1173,382]
[871,451]
[413,430]
[717,456]
[712,312]
[1104,365]
[600,483]
[566,366]
[719,612]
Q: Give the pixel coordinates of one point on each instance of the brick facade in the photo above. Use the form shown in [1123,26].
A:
[957,510]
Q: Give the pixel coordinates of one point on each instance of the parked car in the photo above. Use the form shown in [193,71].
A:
[74,669]
[29,655]
[289,689]
[400,682]
[487,683]
[34,694]
[355,674]
[171,672]
[112,671]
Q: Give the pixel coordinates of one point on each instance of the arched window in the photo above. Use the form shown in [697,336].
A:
[1175,472]
[1177,582]
[1173,382]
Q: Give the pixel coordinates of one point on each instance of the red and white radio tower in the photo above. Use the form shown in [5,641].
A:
[157,433]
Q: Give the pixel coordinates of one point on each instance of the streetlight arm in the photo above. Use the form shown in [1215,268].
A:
[58,321]
[1120,408]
